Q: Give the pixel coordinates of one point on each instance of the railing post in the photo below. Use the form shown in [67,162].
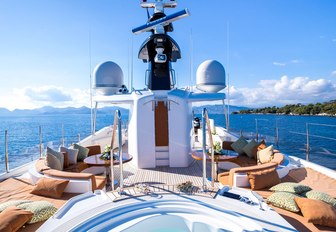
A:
[307,146]
[62,134]
[204,149]
[256,120]
[277,136]
[6,151]
[121,184]
[40,136]
[78,137]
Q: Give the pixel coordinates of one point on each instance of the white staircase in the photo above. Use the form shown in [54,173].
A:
[162,155]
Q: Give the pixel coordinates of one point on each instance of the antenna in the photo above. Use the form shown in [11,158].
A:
[228,75]
[91,110]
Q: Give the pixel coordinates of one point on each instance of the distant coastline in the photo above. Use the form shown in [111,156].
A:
[318,109]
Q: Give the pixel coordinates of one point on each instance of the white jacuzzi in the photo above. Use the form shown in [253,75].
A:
[163,213]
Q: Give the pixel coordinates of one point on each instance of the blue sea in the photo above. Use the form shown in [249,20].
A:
[23,134]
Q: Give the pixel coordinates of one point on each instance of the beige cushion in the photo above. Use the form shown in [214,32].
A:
[317,195]
[50,187]
[284,200]
[265,155]
[263,179]
[238,145]
[317,212]
[42,210]
[94,170]
[13,218]
[72,154]
[248,148]
[53,162]
[290,187]
[58,155]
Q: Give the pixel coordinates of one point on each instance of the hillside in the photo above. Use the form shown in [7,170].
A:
[327,108]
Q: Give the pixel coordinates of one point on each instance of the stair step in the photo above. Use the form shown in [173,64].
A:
[162,155]
[161,148]
[163,162]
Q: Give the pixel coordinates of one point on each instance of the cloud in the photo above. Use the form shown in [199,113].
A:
[36,97]
[279,64]
[284,91]
[333,73]
[50,94]
[295,61]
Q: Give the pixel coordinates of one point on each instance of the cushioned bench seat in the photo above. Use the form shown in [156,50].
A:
[79,182]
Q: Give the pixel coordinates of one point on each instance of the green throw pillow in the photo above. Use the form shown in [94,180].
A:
[284,200]
[42,210]
[248,148]
[290,187]
[53,162]
[3,206]
[316,195]
[57,154]
[82,152]
[239,144]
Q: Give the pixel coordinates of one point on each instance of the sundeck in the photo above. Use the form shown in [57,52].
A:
[162,172]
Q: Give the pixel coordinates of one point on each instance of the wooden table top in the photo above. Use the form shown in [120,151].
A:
[94,160]
[198,155]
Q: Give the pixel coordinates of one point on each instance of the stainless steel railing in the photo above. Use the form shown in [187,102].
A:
[206,128]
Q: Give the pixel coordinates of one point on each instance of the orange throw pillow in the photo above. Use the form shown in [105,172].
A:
[317,212]
[261,146]
[263,179]
[66,160]
[13,218]
[50,187]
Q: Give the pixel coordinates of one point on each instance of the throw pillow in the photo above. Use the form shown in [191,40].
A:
[261,146]
[42,210]
[53,162]
[316,195]
[50,187]
[290,187]
[238,145]
[7,204]
[57,154]
[317,212]
[13,218]
[284,200]
[82,152]
[248,148]
[66,160]
[263,179]
[72,154]
[265,155]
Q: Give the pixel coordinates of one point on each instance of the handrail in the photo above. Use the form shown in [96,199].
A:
[212,149]
[121,184]
[6,151]
[40,136]
[206,123]
[117,125]
[111,151]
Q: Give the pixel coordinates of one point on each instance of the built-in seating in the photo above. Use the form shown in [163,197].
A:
[80,182]
[238,176]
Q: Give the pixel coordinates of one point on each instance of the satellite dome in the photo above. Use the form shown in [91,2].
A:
[210,76]
[108,78]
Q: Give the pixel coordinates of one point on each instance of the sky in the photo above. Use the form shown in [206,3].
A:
[275,52]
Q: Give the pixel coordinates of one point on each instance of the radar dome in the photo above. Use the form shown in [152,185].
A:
[210,76]
[108,78]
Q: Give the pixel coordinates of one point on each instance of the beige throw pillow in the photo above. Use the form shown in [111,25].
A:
[265,155]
